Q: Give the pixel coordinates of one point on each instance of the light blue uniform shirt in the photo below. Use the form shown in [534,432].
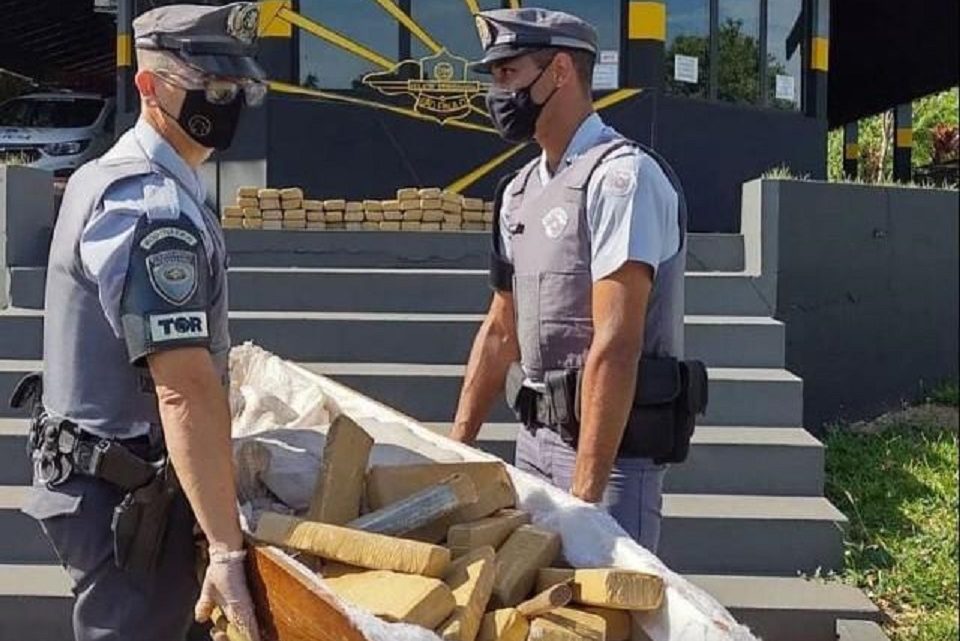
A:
[107,238]
[631,204]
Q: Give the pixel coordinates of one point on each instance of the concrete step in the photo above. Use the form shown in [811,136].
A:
[719,341]
[706,252]
[702,533]
[24,542]
[715,252]
[414,290]
[26,287]
[14,464]
[743,397]
[35,605]
[788,609]
[725,534]
[738,396]
[848,630]
[768,461]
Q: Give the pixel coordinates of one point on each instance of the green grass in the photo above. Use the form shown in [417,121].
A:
[946,394]
[782,172]
[899,489]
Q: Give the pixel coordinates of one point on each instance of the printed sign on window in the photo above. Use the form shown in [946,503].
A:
[606,73]
[609,57]
[686,68]
[786,88]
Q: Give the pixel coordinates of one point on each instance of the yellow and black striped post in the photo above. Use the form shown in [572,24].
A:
[128,101]
[646,34]
[819,57]
[903,147]
[278,53]
[851,150]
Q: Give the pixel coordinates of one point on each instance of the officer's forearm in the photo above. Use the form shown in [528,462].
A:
[609,381]
[196,422]
[494,349]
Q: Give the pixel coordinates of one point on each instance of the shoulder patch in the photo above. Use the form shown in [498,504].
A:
[617,175]
[620,182]
[173,275]
[162,233]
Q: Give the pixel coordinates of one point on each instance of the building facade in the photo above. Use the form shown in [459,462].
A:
[371,95]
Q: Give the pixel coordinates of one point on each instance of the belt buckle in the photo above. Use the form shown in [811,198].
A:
[87,459]
[67,438]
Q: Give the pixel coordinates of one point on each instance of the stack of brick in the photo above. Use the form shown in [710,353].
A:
[443,546]
[427,209]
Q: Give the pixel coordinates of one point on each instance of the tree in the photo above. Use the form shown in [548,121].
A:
[933,118]
[739,72]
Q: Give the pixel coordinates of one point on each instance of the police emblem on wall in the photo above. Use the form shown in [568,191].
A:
[173,275]
[439,85]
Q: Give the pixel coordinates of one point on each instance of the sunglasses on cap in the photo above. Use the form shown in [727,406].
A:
[217,91]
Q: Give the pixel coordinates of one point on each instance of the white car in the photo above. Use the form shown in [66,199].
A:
[56,131]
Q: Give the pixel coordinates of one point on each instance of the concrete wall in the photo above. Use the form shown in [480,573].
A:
[342,150]
[715,147]
[26,220]
[867,284]
[27,214]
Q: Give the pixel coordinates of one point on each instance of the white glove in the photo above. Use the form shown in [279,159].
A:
[225,586]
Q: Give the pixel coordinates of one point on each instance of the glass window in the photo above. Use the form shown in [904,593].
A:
[605,16]
[327,66]
[50,113]
[739,51]
[688,47]
[785,29]
[451,24]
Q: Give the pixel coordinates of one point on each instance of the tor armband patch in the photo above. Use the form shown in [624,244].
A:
[176,327]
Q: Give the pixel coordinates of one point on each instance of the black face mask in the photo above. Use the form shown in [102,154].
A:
[514,113]
[211,126]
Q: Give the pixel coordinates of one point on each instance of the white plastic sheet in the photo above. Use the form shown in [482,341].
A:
[273,399]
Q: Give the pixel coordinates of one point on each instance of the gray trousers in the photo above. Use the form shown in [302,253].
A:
[112,605]
[634,494]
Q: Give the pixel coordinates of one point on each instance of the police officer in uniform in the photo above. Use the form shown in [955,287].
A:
[587,272]
[135,349]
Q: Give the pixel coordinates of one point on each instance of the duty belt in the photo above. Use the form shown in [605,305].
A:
[60,449]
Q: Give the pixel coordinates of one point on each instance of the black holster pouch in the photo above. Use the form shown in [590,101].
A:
[520,399]
[562,404]
[557,407]
[140,523]
[29,393]
[670,393]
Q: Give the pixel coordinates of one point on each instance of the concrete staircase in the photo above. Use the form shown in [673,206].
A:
[392,315]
